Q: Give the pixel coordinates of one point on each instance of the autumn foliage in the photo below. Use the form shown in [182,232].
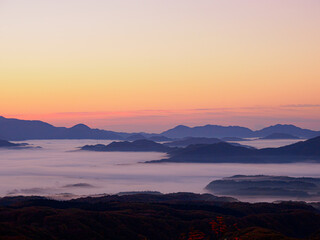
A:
[219,230]
[146,217]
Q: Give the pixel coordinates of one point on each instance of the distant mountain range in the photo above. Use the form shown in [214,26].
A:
[15,129]
[182,131]
[215,151]
[142,145]
[236,131]
[147,145]
[223,152]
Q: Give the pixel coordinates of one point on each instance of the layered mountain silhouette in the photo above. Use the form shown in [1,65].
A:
[15,129]
[126,146]
[217,131]
[225,152]
[219,152]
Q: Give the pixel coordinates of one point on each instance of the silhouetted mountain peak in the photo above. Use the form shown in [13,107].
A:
[181,127]
[80,127]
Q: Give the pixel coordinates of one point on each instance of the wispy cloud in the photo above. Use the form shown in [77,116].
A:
[301,106]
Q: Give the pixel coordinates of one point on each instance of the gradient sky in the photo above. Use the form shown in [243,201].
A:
[136,65]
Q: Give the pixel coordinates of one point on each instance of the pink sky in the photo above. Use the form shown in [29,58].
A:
[149,65]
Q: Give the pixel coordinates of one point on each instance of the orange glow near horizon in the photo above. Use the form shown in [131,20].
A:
[111,60]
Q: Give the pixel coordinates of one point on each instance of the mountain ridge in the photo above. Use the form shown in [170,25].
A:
[142,145]
[17,130]
[218,131]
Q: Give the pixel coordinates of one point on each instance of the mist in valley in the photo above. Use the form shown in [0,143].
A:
[60,169]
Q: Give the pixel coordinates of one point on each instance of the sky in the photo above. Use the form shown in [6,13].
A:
[148,65]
